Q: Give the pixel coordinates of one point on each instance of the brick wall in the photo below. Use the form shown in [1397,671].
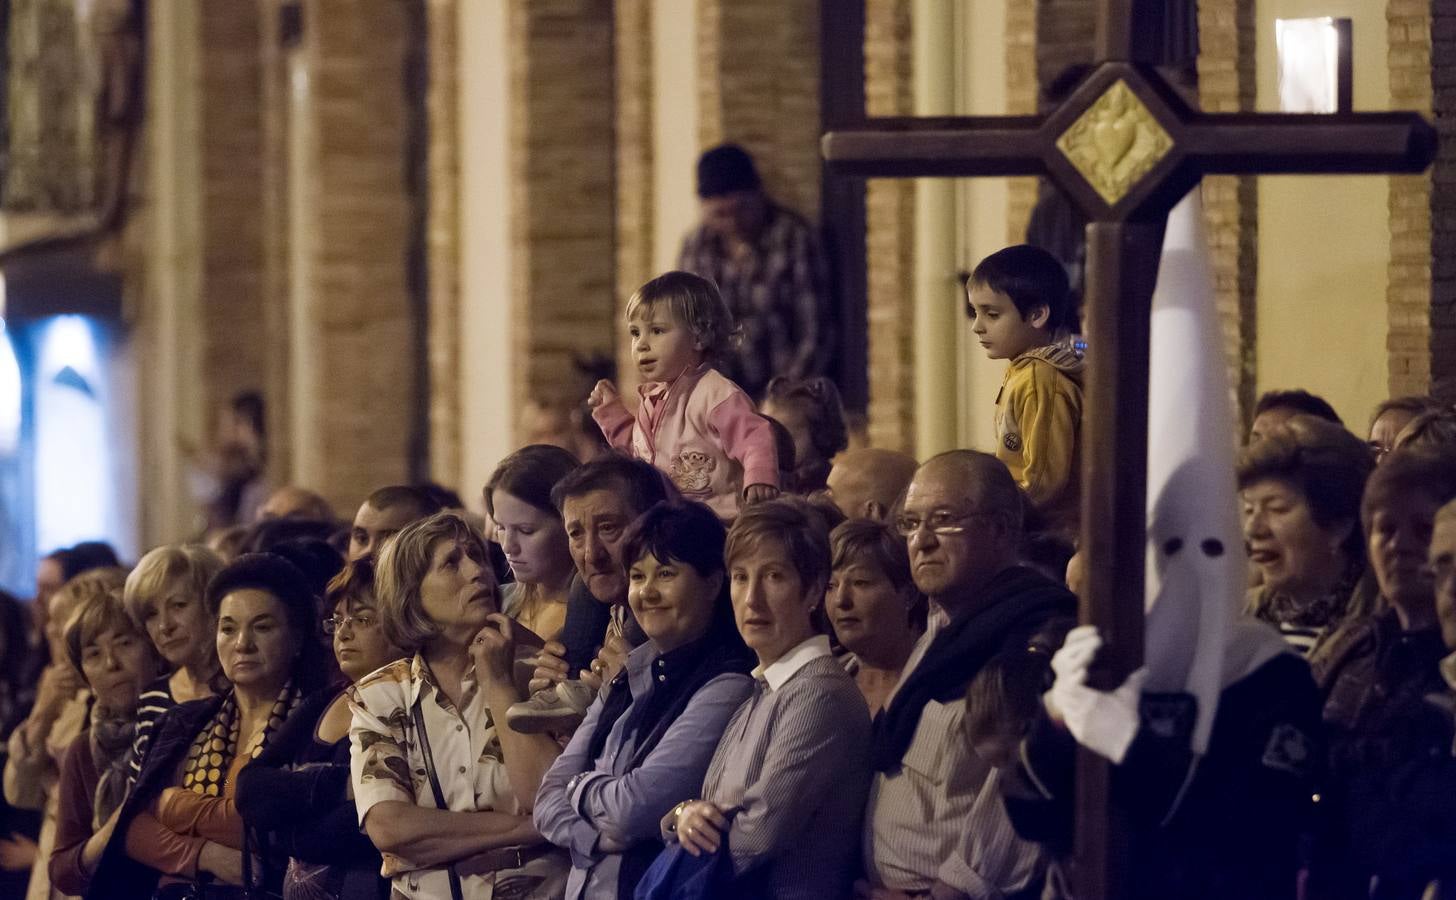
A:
[758,85]
[1441,215]
[635,167]
[562,203]
[443,237]
[1409,288]
[1226,83]
[234,346]
[890,237]
[1022,90]
[359,212]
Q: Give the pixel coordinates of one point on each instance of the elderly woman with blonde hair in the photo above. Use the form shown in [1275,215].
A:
[443,792]
[164,595]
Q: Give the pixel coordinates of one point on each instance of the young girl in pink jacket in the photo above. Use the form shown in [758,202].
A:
[692,423]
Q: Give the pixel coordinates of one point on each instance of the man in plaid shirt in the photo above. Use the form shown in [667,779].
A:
[770,268]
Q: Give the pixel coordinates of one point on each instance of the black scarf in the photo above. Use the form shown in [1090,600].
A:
[1013,606]
[687,669]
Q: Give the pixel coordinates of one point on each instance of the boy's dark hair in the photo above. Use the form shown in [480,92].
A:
[642,484]
[1004,698]
[1300,401]
[84,557]
[443,497]
[726,169]
[1030,277]
[424,503]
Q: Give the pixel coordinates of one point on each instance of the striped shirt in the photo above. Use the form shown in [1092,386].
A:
[153,703]
[793,768]
[939,817]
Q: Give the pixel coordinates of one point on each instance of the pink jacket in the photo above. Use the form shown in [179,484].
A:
[703,431]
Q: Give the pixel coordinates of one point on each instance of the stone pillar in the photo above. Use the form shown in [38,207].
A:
[1226,84]
[636,178]
[758,85]
[235,348]
[353,371]
[1441,214]
[562,205]
[443,240]
[1023,88]
[890,237]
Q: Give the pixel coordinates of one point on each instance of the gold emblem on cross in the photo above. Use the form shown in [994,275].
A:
[1115,142]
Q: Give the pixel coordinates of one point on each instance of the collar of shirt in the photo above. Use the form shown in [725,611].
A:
[785,667]
[422,681]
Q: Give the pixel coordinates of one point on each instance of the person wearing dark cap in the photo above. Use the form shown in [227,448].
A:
[768,264]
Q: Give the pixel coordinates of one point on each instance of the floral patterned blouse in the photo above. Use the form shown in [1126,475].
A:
[386,764]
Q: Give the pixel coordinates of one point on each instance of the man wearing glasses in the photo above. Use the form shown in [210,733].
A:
[935,823]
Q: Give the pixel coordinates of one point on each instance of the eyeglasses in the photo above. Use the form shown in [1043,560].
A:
[940,522]
[362,620]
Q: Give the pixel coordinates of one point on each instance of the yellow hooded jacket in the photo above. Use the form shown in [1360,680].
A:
[1038,419]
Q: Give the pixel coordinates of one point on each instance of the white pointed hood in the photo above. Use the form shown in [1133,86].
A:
[1196,565]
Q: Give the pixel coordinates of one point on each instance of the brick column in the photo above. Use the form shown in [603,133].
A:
[1022,92]
[636,229]
[562,207]
[443,241]
[1230,205]
[1441,211]
[352,217]
[234,351]
[890,237]
[1412,205]
[758,85]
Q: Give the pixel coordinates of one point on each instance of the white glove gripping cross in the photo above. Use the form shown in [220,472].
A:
[1103,722]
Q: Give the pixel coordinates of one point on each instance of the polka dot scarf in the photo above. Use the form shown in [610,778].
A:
[216,745]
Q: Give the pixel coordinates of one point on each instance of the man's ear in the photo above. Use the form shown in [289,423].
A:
[874,509]
[1039,316]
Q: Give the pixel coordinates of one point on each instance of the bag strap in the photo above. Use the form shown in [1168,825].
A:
[424,737]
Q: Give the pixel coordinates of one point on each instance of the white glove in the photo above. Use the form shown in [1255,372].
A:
[1103,722]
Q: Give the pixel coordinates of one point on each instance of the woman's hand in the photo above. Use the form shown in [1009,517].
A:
[550,666]
[604,392]
[223,863]
[58,684]
[700,827]
[494,650]
[17,853]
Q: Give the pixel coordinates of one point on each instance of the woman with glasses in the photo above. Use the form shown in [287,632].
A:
[297,791]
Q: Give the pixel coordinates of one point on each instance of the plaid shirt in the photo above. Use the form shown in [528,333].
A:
[779,295]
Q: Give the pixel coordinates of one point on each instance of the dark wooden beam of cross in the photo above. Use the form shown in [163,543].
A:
[1125,146]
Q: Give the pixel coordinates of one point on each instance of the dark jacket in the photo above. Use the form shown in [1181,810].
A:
[1224,825]
[118,876]
[295,798]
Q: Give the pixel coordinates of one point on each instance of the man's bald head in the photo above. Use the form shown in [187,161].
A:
[962,525]
[865,483]
[293,502]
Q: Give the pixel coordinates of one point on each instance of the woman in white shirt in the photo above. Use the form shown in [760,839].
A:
[444,794]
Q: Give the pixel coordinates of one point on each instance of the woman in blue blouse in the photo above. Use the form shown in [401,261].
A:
[646,743]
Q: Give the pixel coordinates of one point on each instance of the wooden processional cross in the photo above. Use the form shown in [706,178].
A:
[1125,147]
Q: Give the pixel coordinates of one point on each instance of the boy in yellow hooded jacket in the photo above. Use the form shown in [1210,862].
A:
[1020,303]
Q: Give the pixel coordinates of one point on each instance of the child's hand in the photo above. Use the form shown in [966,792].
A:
[757,493]
[605,392]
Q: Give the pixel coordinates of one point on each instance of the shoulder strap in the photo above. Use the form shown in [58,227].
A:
[424,738]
